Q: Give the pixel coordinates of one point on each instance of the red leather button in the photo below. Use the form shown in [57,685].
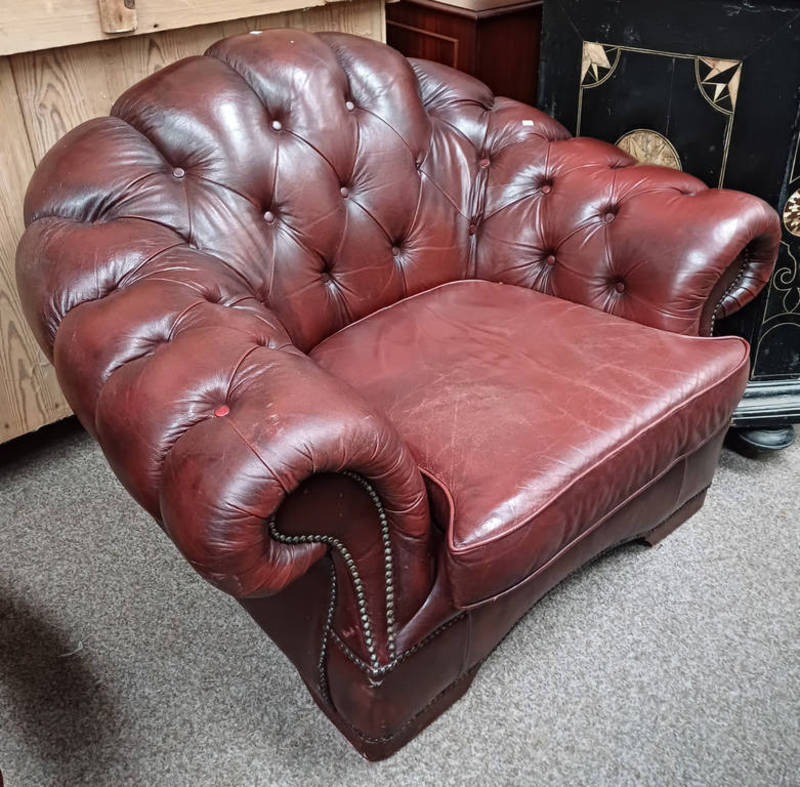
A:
[269,217]
[620,286]
[609,217]
[547,188]
[223,409]
[179,172]
[484,162]
[473,229]
[395,250]
[550,259]
[277,125]
[350,106]
[344,191]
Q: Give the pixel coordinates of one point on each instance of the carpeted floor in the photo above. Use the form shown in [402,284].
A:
[118,665]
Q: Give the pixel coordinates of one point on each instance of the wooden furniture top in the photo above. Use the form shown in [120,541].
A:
[42,24]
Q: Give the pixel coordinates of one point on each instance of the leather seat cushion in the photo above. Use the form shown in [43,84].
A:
[535,417]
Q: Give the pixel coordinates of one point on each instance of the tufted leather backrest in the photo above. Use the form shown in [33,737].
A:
[308,164]
[326,176]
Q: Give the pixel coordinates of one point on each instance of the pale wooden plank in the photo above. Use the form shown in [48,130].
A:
[42,24]
[29,393]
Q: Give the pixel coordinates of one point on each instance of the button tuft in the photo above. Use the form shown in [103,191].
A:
[222,410]
[395,250]
[609,217]
[344,191]
[178,172]
[350,106]
[277,125]
[484,163]
[546,188]
[550,259]
[620,286]
[269,217]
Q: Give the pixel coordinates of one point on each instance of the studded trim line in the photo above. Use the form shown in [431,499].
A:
[384,668]
[729,289]
[358,585]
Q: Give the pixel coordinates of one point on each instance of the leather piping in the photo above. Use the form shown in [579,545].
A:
[392,305]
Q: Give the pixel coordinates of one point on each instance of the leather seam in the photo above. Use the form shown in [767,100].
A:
[399,303]
[451,503]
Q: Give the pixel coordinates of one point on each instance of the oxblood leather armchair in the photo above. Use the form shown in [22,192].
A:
[385,355]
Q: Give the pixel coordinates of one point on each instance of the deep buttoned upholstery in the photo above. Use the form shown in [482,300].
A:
[254,279]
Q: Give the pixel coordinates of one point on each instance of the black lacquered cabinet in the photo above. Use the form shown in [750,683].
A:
[711,87]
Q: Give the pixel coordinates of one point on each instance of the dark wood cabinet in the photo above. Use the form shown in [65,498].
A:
[497,44]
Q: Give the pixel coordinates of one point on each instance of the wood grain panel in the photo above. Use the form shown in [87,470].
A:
[29,25]
[499,46]
[60,88]
[29,394]
[417,42]
[43,95]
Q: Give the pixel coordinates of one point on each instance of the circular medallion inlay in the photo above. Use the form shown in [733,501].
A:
[791,214]
[650,147]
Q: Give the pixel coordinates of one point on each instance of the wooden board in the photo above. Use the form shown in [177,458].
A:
[46,93]
[29,394]
[28,25]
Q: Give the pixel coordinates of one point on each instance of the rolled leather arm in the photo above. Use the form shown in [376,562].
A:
[581,220]
[207,412]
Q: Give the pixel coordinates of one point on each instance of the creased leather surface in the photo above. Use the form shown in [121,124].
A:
[539,416]
[238,208]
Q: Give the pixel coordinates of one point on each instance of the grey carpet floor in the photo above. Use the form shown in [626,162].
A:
[678,665]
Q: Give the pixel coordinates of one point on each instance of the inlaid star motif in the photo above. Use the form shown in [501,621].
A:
[722,80]
[594,59]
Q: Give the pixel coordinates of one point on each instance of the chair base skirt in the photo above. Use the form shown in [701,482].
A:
[376,749]
[379,716]
[673,522]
